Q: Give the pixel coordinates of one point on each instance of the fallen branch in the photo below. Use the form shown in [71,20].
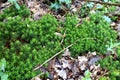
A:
[54,56]
[107,3]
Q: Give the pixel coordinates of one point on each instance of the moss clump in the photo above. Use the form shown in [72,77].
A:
[111,64]
[25,43]
[92,35]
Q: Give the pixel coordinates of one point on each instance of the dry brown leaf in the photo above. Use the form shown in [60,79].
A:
[67,53]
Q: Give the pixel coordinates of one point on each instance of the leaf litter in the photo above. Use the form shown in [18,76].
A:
[69,68]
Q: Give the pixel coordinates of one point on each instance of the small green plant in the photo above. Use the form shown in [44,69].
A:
[91,7]
[14,2]
[106,18]
[112,66]
[111,46]
[58,4]
[87,75]
[3,75]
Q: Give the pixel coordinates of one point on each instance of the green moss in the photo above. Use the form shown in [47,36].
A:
[118,51]
[112,66]
[12,12]
[92,35]
[25,43]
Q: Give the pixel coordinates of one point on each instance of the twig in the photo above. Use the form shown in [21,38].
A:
[59,53]
[37,76]
[54,56]
[102,75]
[93,7]
[63,37]
[107,3]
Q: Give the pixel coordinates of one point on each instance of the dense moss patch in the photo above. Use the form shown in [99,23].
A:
[92,35]
[25,43]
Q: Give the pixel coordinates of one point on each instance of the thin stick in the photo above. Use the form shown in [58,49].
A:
[63,37]
[53,56]
[107,3]
[102,75]
[59,53]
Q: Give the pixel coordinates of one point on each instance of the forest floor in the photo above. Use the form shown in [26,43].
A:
[67,67]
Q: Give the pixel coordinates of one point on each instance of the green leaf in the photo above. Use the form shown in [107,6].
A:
[4,77]
[112,45]
[3,64]
[12,1]
[106,18]
[99,6]
[90,5]
[15,3]
[106,0]
[17,6]
[55,6]
[86,79]
[1,73]
[87,73]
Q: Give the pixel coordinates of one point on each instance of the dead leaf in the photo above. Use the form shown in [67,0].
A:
[67,53]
